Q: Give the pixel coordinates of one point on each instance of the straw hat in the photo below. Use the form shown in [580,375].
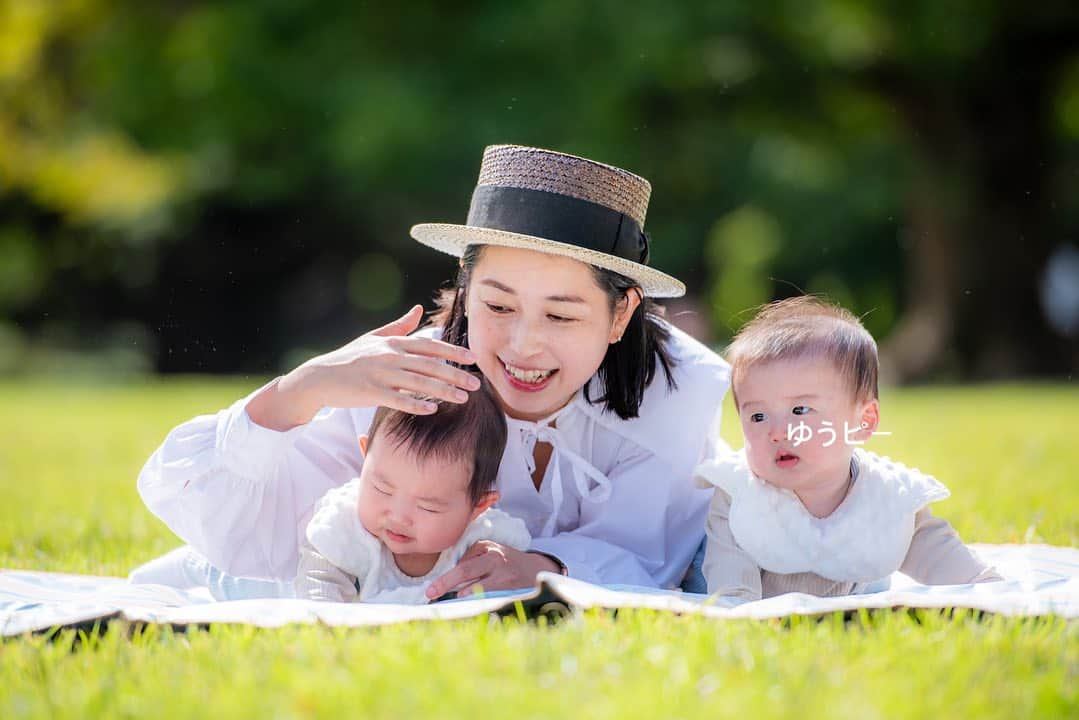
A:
[559,204]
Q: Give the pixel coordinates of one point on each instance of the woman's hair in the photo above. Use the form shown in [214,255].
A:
[629,365]
[806,327]
[474,429]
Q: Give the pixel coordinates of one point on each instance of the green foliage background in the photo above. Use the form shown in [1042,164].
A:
[227,186]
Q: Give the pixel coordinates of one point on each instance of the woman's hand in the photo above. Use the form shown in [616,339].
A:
[382,367]
[495,567]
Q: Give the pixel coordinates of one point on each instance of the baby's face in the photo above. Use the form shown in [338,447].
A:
[774,397]
[413,507]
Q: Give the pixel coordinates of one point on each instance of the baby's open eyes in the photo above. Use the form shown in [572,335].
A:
[758,417]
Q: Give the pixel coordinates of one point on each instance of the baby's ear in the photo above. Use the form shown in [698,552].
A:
[489,498]
[870,418]
[363,445]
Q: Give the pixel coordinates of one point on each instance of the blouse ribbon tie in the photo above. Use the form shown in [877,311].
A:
[531,433]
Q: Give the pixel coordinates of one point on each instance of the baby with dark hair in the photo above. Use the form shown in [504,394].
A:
[423,497]
[803,508]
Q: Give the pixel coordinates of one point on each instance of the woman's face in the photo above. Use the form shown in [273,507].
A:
[539,326]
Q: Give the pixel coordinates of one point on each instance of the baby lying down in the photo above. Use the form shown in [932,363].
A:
[424,495]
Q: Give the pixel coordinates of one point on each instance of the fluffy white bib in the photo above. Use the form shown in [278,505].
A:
[336,532]
[866,538]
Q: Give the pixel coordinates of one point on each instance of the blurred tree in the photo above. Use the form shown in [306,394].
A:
[237,176]
[970,86]
[75,162]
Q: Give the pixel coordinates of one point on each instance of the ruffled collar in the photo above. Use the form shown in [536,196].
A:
[864,539]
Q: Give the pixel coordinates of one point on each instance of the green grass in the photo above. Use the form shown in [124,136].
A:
[69,455]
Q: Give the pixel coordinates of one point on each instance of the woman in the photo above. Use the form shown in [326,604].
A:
[609,407]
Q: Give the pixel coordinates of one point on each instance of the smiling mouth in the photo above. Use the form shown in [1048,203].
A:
[526,376]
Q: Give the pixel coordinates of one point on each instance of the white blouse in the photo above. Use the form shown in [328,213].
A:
[617,503]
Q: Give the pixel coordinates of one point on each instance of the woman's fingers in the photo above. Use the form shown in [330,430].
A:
[467,573]
[484,564]
[440,371]
[480,547]
[386,367]
[428,387]
[436,349]
[406,403]
[392,383]
[402,325]
[494,559]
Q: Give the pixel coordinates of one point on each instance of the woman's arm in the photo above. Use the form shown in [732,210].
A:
[234,485]
[236,491]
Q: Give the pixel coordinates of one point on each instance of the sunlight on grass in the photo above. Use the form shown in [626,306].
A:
[69,456]
[640,664]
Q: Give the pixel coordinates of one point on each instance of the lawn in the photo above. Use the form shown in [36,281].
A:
[69,455]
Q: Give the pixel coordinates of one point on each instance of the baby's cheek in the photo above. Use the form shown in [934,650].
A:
[755,458]
[368,516]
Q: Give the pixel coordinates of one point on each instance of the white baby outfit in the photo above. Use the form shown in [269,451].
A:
[341,561]
[763,541]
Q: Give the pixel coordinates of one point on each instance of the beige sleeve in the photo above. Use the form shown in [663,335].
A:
[319,579]
[938,557]
[728,569]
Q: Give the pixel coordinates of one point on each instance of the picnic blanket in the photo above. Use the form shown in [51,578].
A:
[1042,580]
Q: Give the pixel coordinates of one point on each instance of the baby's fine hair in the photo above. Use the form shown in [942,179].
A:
[474,429]
[807,327]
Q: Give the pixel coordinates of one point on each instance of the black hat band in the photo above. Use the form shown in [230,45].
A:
[557,217]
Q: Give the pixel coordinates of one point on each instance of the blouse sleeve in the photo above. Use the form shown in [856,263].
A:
[644,534]
[236,491]
[728,569]
[938,557]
